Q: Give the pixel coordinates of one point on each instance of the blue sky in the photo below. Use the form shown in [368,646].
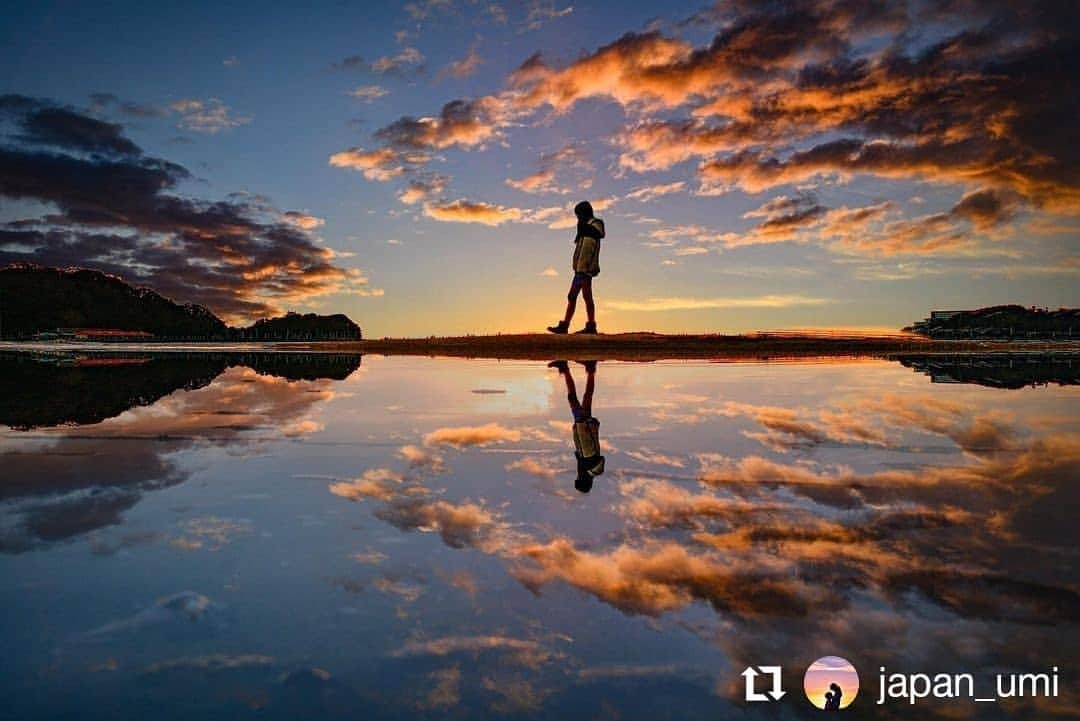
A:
[704,234]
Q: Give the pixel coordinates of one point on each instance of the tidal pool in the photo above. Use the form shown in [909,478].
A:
[254,536]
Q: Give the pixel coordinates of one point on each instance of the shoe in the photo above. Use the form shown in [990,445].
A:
[590,366]
[561,365]
[589,329]
[560,329]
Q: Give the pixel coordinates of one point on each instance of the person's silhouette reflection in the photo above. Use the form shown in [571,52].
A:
[590,463]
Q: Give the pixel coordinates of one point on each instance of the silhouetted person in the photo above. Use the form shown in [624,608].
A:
[586,264]
[833,702]
[590,463]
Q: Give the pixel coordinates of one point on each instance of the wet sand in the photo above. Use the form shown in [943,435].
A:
[656,346]
[620,346]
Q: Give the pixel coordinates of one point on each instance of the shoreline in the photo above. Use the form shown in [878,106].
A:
[621,346]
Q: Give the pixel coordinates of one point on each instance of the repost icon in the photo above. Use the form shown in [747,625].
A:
[772,679]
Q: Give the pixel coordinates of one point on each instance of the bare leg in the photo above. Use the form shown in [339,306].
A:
[590,386]
[571,394]
[571,302]
[586,292]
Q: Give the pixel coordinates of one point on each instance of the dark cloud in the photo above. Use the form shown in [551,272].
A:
[783,215]
[462,525]
[107,102]
[989,104]
[870,229]
[352,62]
[408,60]
[422,187]
[462,123]
[986,208]
[118,211]
[42,123]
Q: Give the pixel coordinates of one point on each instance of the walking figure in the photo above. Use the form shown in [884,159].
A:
[586,264]
[586,428]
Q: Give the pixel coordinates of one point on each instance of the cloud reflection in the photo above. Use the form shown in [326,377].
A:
[868,513]
[57,484]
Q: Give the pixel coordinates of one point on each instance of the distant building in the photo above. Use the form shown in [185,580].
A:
[935,316]
[1001,322]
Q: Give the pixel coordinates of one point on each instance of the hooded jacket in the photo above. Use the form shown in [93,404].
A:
[587,246]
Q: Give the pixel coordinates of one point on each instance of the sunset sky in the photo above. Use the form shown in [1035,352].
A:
[758,164]
[829,670]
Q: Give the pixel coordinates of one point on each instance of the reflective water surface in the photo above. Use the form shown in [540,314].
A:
[229,536]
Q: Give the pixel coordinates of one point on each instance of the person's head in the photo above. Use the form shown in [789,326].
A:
[834,687]
[587,470]
[828,695]
[583,210]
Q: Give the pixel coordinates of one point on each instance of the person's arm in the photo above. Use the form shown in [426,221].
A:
[592,229]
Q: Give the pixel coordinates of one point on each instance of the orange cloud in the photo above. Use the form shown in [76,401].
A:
[659,504]
[445,690]
[461,436]
[533,466]
[658,145]
[422,458]
[408,56]
[302,220]
[632,70]
[466,211]
[378,483]
[795,94]
[647,455]
[462,525]
[420,189]
[655,191]
[382,164]
[461,123]
[449,645]
[464,67]
[660,577]
[543,180]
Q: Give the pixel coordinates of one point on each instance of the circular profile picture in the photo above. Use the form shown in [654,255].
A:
[831,683]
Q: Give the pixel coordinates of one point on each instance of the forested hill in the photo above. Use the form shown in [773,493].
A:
[36,299]
[294,326]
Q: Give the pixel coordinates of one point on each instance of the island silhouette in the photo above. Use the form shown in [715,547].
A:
[38,391]
[40,303]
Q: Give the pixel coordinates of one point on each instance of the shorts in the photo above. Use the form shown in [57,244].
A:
[579,278]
